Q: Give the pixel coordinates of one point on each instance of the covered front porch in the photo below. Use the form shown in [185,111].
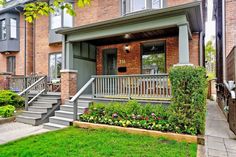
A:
[130,57]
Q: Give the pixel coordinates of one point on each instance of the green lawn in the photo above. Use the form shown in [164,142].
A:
[75,142]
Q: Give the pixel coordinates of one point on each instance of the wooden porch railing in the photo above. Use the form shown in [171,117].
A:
[132,86]
[18,83]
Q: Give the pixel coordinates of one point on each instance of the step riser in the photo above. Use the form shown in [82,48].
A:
[50,127]
[32,115]
[70,109]
[64,115]
[46,101]
[26,121]
[49,105]
[61,122]
[38,109]
[80,104]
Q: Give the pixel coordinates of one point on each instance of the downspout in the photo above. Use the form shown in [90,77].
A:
[33,34]
[223,37]
[25,55]
[201,49]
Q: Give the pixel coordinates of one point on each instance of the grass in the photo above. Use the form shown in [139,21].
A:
[75,142]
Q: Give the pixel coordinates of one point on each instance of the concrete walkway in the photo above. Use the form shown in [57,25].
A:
[220,140]
[14,130]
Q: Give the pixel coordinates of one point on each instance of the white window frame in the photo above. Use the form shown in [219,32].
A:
[13,29]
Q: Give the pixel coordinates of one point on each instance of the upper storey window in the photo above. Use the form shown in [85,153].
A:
[130,6]
[3,30]
[61,19]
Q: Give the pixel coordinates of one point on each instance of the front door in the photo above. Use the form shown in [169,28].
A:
[110,61]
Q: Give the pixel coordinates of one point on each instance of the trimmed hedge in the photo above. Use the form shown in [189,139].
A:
[10,98]
[7,111]
[189,89]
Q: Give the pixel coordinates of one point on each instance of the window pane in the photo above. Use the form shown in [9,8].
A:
[3,31]
[52,67]
[11,64]
[56,19]
[137,5]
[68,19]
[58,64]
[13,29]
[156,4]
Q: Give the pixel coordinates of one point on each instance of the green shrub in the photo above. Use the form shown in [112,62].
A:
[7,111]
[10,98]
[187,112]
[130,114]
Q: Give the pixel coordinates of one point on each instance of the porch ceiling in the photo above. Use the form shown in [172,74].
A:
[148,35]
[148,21]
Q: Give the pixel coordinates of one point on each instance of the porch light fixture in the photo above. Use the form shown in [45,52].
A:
[127,36]
[127,48]
[7,53]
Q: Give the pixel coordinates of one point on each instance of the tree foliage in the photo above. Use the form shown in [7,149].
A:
[210,51]
[41,8]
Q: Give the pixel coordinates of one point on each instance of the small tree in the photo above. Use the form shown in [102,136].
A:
[210,54]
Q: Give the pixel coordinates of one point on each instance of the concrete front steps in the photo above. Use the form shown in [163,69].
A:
[40,110]
[64,116]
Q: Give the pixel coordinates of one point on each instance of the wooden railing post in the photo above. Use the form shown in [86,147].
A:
[46,85]
[26,101]
[75,110]
[129,89]
[93,89]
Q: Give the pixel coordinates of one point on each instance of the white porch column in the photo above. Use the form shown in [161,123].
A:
[183,44]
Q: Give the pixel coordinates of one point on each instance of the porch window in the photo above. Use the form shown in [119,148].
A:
[3,30]
[11,64]
[137,5]
[153,58]
[55,62]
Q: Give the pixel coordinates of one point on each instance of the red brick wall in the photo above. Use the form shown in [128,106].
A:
[20,55]
[230,25]
[133,58]
[171,3]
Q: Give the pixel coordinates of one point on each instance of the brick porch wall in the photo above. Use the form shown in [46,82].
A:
[132,60]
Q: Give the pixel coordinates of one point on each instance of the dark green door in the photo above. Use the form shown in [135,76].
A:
[110,61]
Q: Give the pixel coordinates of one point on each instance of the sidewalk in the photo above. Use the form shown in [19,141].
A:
[220,140]
[12,131]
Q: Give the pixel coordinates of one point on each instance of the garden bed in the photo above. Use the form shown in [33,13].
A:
[167,135]
[7,120]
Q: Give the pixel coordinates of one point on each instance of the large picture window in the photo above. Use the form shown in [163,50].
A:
[11,64]
[3,30]
[55,63]
[153,58]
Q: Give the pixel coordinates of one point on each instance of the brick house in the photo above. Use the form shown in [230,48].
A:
[120,43]
[225,56]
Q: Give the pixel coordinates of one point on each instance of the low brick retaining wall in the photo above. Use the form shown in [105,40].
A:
[170,136]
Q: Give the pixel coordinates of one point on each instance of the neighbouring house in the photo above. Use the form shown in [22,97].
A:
[118,49]
[225,57]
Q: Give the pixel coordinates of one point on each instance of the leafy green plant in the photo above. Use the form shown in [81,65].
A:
[10,98]
[187,112]
[7,111]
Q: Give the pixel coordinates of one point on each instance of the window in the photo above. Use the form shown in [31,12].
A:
[61,19]
[130,6]
[55,62]
[11,64]
[3,30]
[13,29]
[137,5]
[153,58]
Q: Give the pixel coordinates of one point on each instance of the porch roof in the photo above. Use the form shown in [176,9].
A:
[190,14]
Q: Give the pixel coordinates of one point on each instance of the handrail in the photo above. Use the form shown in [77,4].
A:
[36,96]
[77,95]
[26,91]
[133,75]
[31,86]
